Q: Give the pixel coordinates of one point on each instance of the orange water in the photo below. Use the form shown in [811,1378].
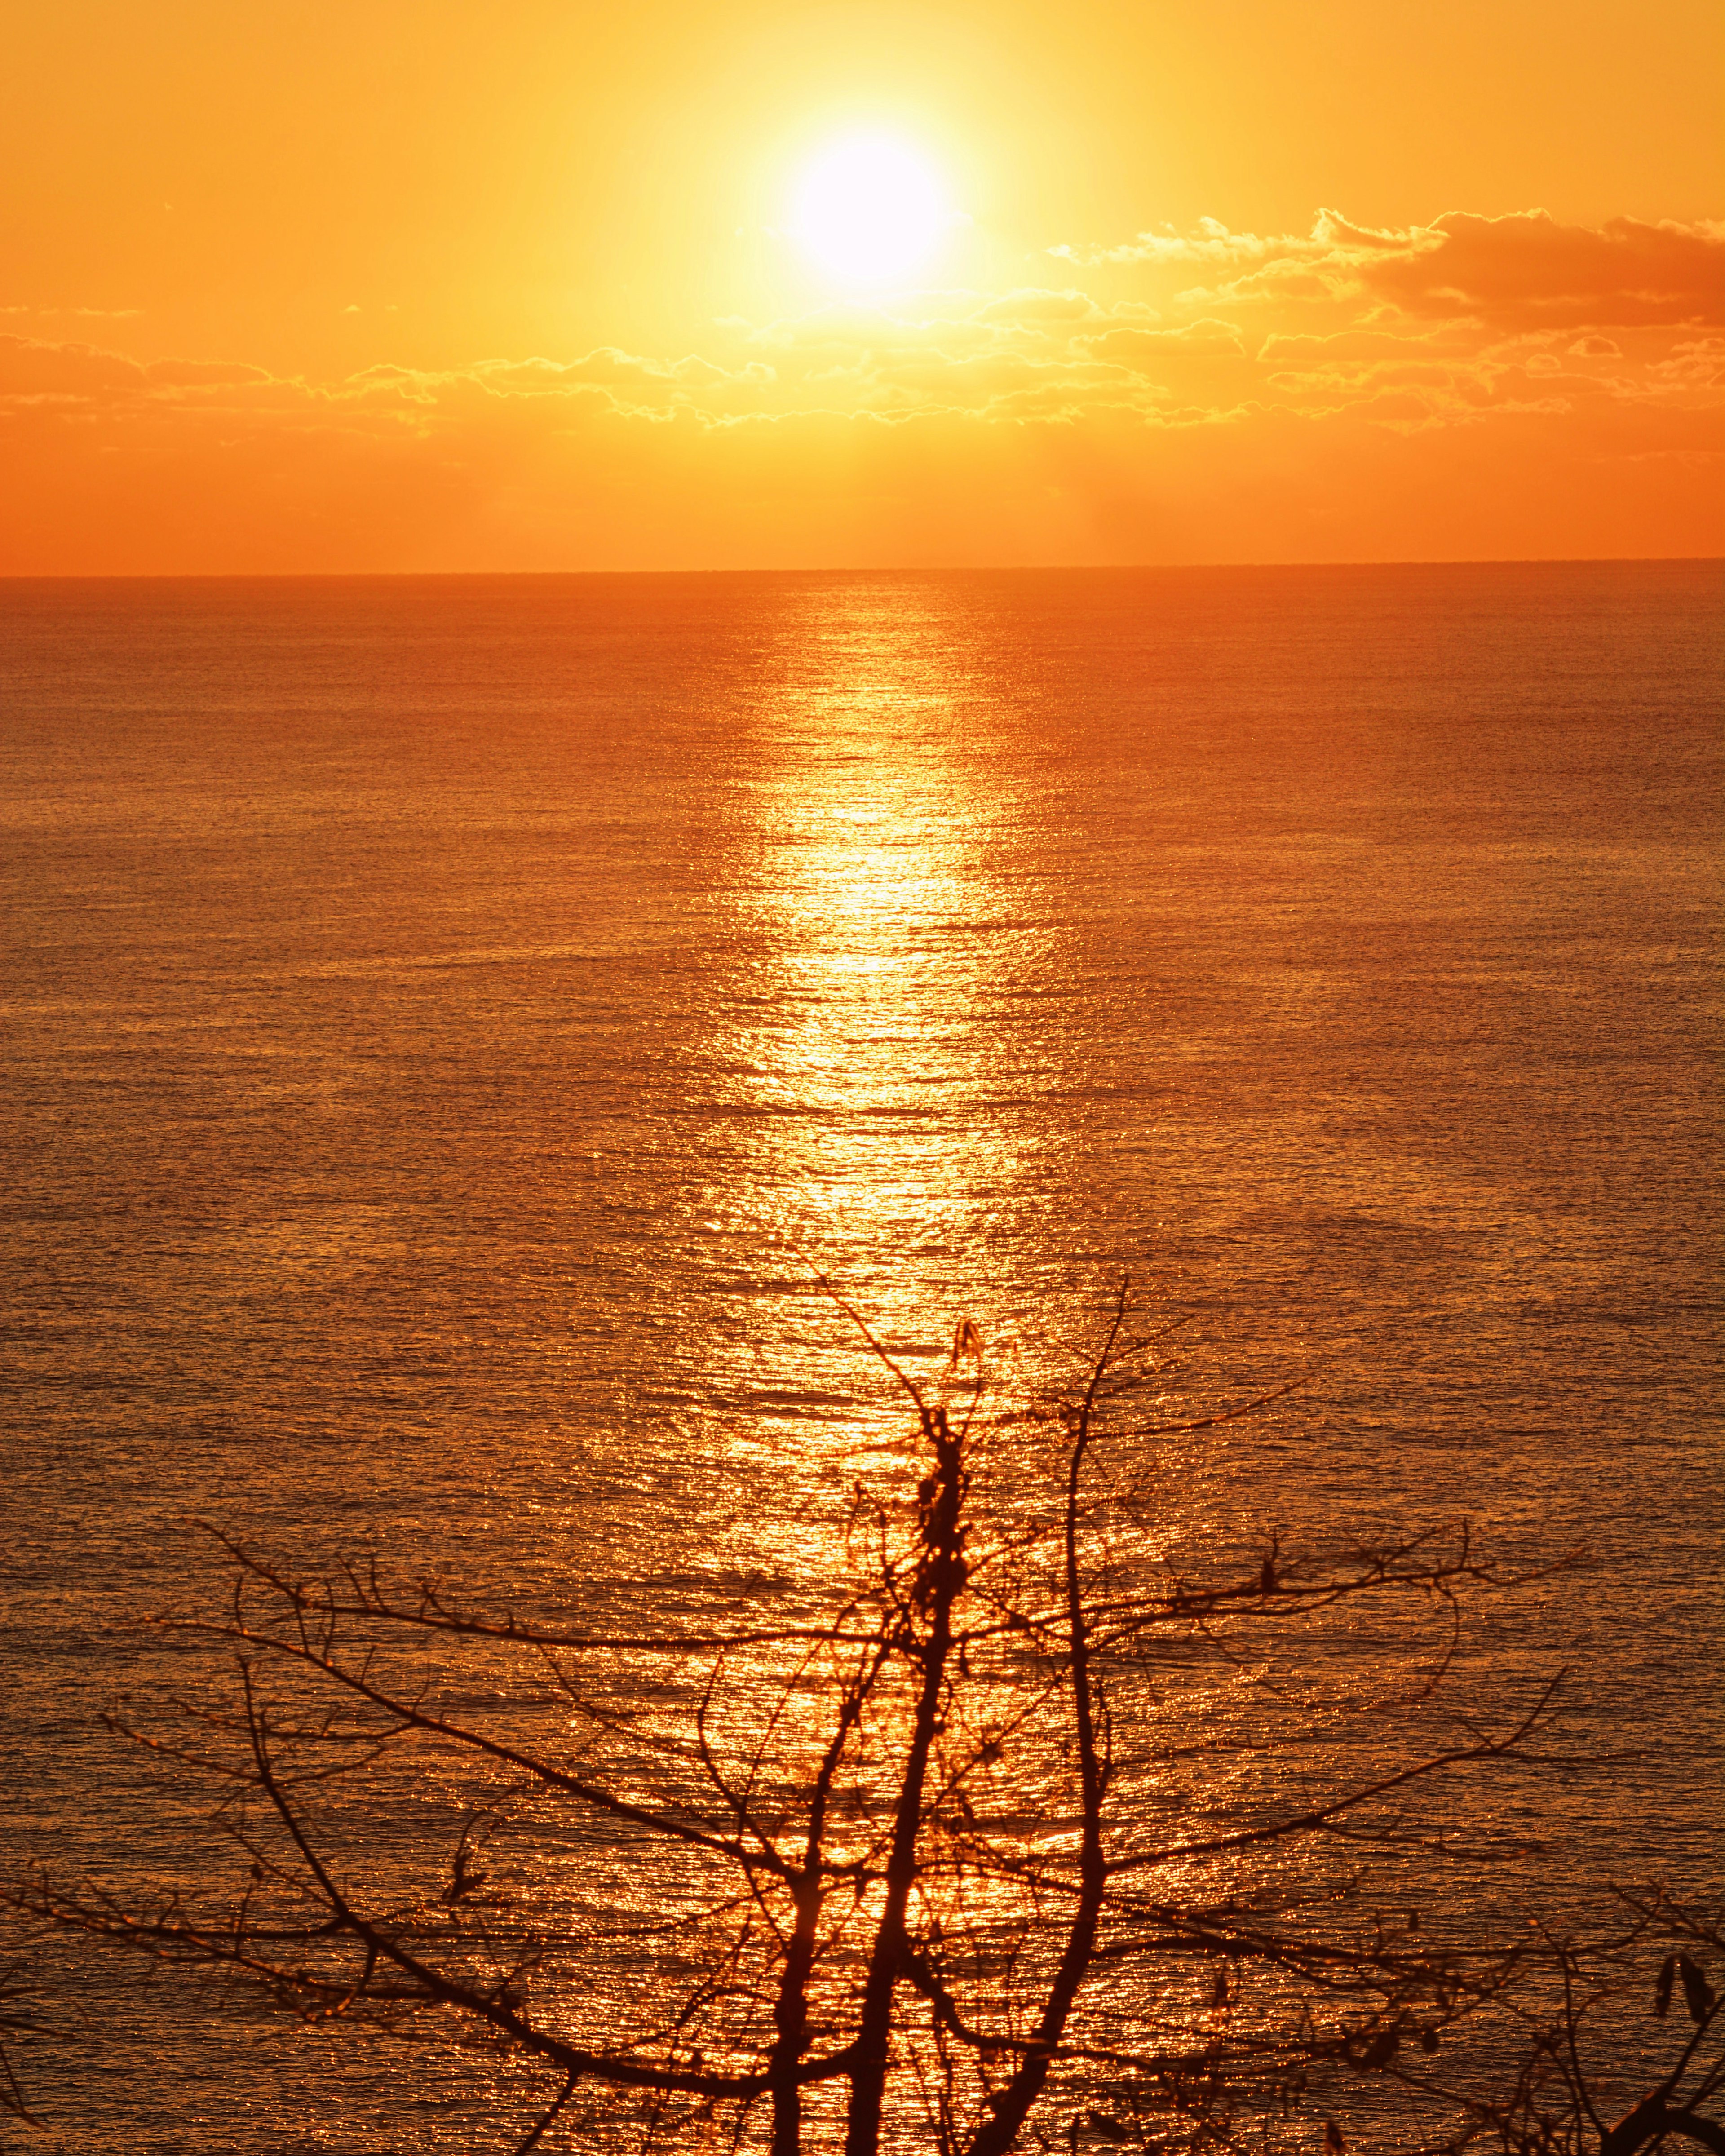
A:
[451,1022]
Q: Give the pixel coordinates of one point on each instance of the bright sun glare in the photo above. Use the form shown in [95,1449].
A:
[868,210]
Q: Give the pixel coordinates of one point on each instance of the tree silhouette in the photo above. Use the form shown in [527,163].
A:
[924,1866]
[1551,2104]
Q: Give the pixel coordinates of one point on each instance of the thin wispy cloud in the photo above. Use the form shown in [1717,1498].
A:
[1557,347]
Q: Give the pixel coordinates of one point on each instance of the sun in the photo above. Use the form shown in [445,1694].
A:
[869,211]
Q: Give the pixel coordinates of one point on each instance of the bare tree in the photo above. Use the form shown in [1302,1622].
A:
[955,1855]
[20,2016]
[1556,2101]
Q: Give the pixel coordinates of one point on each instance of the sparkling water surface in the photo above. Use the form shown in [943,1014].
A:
[452,1023]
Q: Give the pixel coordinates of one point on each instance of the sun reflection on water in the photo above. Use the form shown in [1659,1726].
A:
[880,839]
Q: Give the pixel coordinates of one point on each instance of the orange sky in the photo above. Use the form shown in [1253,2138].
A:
[444,286]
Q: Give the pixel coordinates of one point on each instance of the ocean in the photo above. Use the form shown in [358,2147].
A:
[453,1025]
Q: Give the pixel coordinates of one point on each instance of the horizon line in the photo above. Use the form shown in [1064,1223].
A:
[901,569]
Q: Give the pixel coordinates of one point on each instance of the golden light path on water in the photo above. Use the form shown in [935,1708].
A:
[881,830]
[864,1068]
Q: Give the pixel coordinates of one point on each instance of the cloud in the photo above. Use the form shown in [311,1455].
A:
[1517,343]
[1206,337]
[1697,364]
[85,313]
[1521,271]
[1332,242]
[1030,303]
[1528,271]
[1464,315]
[1367,340]
[34,367]
[202,373]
